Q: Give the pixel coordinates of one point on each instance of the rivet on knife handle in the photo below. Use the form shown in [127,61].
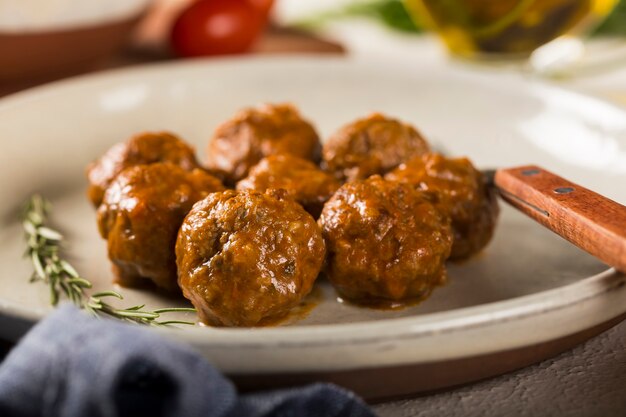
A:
[587,219]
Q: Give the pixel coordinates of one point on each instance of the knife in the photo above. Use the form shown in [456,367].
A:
[589,220]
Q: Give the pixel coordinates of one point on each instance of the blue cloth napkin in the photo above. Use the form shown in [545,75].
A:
[73,365]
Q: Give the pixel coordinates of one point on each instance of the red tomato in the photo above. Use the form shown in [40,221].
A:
[214,27]
[263,5]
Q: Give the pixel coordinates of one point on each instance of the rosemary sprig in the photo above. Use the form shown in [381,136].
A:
[44,246]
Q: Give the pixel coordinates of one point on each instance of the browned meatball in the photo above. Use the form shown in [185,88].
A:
[246,258]
[140,215]
[253,133]
[373,145]
[385,241]
[145,148]
[302,179]
[458,190]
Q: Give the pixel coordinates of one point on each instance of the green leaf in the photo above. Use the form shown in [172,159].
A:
[107,294]
[80,282]
[176,310]
[390,13]
[135,308]
[39,269]
[171,322]
[395,16]
[615,24]
[69,269]
[138,314]
[49,233]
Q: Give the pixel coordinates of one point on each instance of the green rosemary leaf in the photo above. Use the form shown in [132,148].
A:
[69,269]
[171,322]
[175,310]
[139,307]
[108,294]
[29,228]
[54,293]
[39,270]
[80,282]
[140,314]
[49,233]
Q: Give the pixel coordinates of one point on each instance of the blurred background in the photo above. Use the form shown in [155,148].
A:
[44,40]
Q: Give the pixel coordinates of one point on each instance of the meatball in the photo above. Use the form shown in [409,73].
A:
[145,148]
[240,143]
[304,181]
[246,258]
[458,190]
[373,145]
[385,242]
[140,215]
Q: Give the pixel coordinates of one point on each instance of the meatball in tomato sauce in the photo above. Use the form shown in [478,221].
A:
[373,145]
[246,258]
[386,242]
[140,215]
[458,190]
[142,149]
[241,142]
[304,181]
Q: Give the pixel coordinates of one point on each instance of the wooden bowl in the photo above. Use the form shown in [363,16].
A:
[27,55]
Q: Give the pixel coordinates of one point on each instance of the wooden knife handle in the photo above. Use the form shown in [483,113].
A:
[587,219]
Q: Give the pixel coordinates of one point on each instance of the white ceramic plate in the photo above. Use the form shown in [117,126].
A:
[526,292]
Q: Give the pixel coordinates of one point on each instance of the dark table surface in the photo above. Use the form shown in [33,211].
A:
[4,348]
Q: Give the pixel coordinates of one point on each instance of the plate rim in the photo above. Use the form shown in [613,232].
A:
[588,288]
